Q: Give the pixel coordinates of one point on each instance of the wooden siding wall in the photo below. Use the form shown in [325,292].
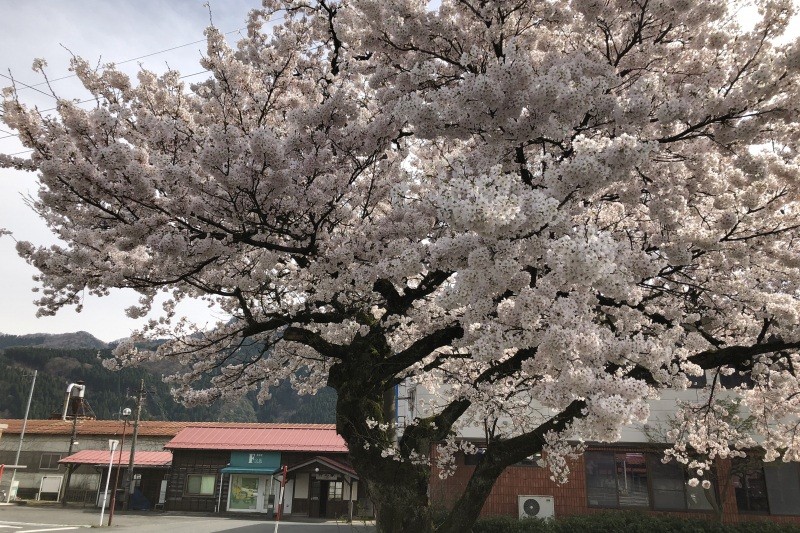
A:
[204,462]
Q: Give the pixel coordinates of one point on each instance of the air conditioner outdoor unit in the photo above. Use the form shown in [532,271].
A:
[536,506]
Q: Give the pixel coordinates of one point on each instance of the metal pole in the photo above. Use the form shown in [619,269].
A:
[113,445]
[21,436]
[219,498]
[129,473]
[116,478]
[284,473]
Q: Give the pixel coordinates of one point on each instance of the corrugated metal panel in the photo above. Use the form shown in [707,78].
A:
[102,457]
[290,437]
[148,428]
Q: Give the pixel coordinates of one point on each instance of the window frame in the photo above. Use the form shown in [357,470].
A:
[474,459]
[612,457]
[532,461]
[741,469]
[50,462]
[187,489]
[335,488]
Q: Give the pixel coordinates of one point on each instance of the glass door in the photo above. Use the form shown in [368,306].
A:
[244,493]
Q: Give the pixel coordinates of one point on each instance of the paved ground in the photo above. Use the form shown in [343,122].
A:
[43,518]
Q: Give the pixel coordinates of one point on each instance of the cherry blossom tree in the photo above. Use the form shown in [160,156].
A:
[549,212]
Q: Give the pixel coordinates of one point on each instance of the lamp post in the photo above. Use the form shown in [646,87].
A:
[126,413]
[129,482]
[112,445]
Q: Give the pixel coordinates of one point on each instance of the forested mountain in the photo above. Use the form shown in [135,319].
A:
[64,359]
[80,339]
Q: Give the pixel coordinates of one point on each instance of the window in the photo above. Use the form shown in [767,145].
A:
[640,481]
[697,382]
[201,485]
[670,489]
[335,490]
[474,458]
[531,460]
[784,477]
[632,480]
[751,492]
[736,379]
[772,488]
[49,461]
[669,492]
[601,480]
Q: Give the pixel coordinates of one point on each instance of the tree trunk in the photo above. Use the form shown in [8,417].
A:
[401,503]
[365,418]
[468,507]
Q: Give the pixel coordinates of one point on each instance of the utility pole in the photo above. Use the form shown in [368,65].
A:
[73,402]
[126,413]
[21,437]
[131,481]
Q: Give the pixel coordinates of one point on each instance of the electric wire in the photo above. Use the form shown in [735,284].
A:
[144,56]
[10,135]
[151,54]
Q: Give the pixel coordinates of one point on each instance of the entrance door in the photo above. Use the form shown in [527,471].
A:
[313,494]
[318,506]
[251,493]
[323,499]
[245,493]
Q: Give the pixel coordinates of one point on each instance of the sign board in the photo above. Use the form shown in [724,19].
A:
[259,459]
[162,493]
[50,485]
[326,477]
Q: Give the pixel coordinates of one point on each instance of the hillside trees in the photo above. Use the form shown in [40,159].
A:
[572,205]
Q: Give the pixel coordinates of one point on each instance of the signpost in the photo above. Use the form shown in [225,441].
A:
[112,445]
[280,498]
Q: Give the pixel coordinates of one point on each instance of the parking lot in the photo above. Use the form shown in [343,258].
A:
[23,519]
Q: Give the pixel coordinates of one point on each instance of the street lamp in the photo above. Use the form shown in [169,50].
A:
[112,445]
[126,414]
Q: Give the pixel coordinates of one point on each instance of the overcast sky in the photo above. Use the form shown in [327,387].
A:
[111,30]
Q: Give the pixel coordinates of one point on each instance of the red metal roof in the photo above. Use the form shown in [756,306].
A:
[147,428]
[276,437]
[102,457]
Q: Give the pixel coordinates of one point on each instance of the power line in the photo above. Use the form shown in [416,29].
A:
[33,86]
[92,99]
[10,135]
[26,85]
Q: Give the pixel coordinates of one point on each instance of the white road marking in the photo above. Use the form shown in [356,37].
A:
[51,529]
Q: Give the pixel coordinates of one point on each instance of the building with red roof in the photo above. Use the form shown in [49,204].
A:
[47,442]
[241,468]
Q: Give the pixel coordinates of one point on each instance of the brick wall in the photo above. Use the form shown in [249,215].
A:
[571,498]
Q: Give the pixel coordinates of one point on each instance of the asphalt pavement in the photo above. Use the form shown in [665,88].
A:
[50,517]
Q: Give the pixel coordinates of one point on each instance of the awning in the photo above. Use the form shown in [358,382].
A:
[259,470]
[142,458]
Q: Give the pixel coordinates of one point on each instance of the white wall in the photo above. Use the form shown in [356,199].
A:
[660,411]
